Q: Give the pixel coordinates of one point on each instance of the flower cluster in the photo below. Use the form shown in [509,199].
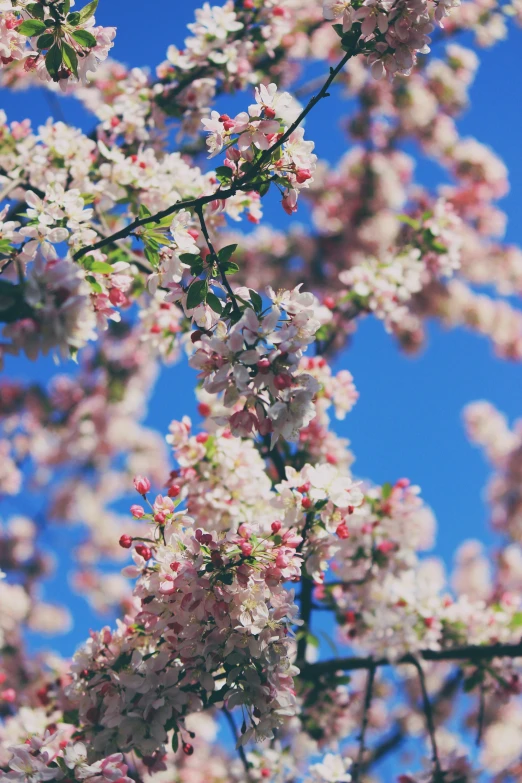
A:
[391,32]
[255,364]
[263,146]
[52,41]
[210,625]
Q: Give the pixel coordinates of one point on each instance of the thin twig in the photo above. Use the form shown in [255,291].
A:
[241,184]
[364,725]
[214,256]
[240,749]
[430,723]
[481,714]
[397,737]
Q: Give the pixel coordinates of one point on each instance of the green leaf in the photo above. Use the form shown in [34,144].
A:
[144,212]
[88,10]
[45,41]
[53,61]
[74,18]
[215,303]
[152,255]
[516,620]
[197,293]
[409,221]
[36,10]
[190,258]
[101,267]
[66,7]
[31,27]
[226,252]
[84,38]
[230,268]
[223,174]
[256,300]
[70,716]
[175,742]
[338,29]
[96,287]
[70,59]
[386,490]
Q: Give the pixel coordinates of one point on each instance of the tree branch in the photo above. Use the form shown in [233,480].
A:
[397,737]
[364,725]
[241,184]
[430,723]
[471,653]
[240,749]
[214,255]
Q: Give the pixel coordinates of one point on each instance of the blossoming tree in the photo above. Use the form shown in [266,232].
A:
[118,252]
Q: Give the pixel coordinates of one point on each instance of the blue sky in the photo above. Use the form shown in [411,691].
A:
[408,418]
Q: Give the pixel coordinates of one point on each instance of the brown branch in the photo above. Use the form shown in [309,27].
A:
[397,737]
[239,748]
[215,257]
[430,723]
[364,725]
[243,183]
[473,654]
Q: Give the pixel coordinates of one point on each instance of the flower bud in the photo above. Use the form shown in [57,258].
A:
[137,511]
[342,530]
[204,409]
[282,381]
[263,365]
[144,551]
[188,749]
[126,542]
[246,547]
[142,484]
[276,526]
[302,175]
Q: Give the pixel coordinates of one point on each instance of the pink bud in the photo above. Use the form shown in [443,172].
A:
[276,526]
[126,542]
[137,511]
[342,530]
[159,518]
[204,409]
[282,381]
[245,531]
[302,175]
[8,695]
[117,297]
[246,547]
[144,551]
[263,365]
[142,484]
